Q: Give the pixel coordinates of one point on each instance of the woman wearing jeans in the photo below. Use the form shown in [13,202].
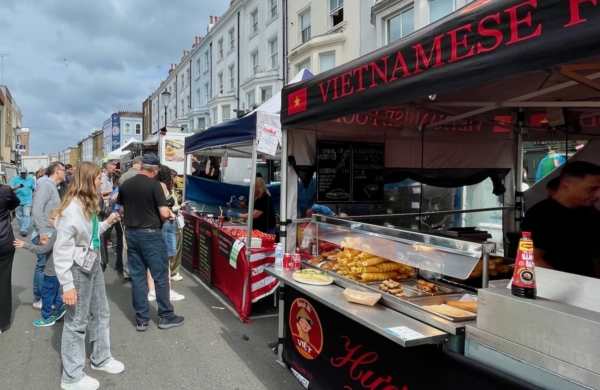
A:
[78,268]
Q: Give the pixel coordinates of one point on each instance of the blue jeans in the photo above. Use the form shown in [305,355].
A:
[168,233]
[38,276]
[23,213]
[146,251]
[92,301]
[50,296]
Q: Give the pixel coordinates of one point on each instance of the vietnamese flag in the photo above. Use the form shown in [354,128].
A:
[297,101]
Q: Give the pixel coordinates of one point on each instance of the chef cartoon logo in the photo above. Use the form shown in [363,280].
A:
[306,330]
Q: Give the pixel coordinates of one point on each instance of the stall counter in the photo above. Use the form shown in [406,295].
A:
[329,343]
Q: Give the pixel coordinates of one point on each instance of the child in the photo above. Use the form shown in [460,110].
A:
[50,288]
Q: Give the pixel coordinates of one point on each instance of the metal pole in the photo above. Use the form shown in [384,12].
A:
[283,236]
[250,213]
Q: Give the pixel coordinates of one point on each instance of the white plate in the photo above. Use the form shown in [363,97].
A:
[312,283]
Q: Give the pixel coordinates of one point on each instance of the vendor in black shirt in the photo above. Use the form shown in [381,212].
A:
[263,218]
[565,228]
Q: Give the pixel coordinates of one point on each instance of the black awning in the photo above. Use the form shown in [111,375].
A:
[486,40]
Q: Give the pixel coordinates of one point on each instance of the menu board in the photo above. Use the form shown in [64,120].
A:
[204,251]
[350,172]
[368,161]
[225,243]
[189,242]
[334,172]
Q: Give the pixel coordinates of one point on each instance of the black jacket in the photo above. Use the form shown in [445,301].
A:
[8,202]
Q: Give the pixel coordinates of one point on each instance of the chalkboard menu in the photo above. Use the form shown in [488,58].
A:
[368,161]
[225,243]
[189,243]
[350,172]
[204,251]
[334,172]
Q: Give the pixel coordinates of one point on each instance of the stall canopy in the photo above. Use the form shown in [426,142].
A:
[491,56]
[116,154]
[237,136]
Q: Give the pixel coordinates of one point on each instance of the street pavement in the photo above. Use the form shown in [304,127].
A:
[208,352]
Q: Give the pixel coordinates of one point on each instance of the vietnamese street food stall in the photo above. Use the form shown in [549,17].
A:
[447,106]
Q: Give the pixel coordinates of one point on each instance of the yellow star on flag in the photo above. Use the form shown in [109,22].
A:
[297,102]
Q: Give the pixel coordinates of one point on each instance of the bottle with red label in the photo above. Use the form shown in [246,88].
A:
[523,281]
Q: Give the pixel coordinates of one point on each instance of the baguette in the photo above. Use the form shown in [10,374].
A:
[372,261]
[468,306]
[378,276]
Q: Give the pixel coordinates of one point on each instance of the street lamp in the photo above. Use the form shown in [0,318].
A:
[18,132]
[166,98]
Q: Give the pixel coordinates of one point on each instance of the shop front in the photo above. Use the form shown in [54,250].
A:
[449,106]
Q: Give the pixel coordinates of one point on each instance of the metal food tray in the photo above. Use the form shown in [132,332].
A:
[442,289]
[408,292]
[439,300]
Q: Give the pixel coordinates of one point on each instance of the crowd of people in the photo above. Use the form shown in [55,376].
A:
[74,212]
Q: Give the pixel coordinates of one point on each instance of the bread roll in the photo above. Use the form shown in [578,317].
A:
[372,261]
[377,276]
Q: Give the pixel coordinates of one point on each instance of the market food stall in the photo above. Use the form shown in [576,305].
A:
[237,268]
[448,105]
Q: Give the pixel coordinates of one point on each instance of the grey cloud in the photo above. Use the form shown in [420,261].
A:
[112,49]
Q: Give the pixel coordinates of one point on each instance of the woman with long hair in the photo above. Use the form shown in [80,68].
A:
[263,218]
[168,230]
[78,268]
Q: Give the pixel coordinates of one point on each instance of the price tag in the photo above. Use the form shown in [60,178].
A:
[235,250]
[404,333]
[268,140]
[415,205]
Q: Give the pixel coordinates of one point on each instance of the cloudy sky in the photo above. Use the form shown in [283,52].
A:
[74,62]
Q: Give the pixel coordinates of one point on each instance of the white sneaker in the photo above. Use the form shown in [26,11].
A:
[175,296]
[37,305]
[112,367]
[152,295]
[86,383]
[177,277]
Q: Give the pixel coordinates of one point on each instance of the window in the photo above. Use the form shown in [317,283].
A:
[220,48]
[170,114]
[326,61]
[206,59]
[305,26]
[400,25]
[250,99]
[182,108]
[440,8]
[200,124]
[231,39]
[206,93]
[198,98]
[231,71]
[215,118]
[273,8]
[336,12]
[220,81]
[198,68]
[303,65]
[225,113]
[182,83]
[265,94]
[127,129]
[138,129]
[255,61]
[254,20]
[274,50]
[188,102]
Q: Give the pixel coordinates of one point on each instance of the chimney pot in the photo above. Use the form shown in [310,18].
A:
[212,19]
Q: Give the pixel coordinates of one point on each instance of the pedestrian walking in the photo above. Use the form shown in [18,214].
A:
[79,272]
[8,202]
[50,288]
[168,231]
[23,186]
[46,199]
[144,206]
[176,262]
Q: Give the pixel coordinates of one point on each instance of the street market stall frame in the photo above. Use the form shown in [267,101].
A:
[461,93]
[240,138]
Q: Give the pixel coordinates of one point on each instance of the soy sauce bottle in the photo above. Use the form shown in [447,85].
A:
[523,281]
